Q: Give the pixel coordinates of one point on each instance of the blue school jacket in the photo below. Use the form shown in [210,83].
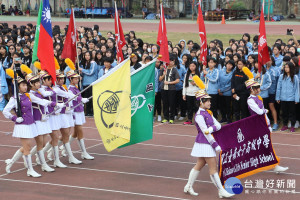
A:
[224,82]
[287,90]
[274,78]
[265,82]
[89,75]
[212,78]
[278,60]
[182,73]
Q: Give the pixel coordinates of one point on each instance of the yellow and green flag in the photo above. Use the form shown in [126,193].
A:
[112,106]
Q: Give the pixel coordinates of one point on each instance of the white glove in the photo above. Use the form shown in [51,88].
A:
[218,149]
[84,100]
[19,120]
[47,93]
[60,105]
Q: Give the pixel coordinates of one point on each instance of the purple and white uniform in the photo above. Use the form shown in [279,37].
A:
[79,110]
[66,116]
[205,144]
[40,108]
[50,95]
[256,106]
[26,129]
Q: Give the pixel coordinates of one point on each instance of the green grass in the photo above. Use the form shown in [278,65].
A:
[150,37]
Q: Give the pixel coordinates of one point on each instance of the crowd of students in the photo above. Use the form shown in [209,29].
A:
[223,75]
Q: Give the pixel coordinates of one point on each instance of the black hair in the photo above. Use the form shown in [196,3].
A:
[188,73]
[149,58]
[174,58]
[108,59]
[292,71]
[232,63]
[255,38]
[248,36]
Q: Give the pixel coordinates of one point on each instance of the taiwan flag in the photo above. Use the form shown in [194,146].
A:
[43,47]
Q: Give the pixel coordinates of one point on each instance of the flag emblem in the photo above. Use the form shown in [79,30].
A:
[46,15]
[137,102]
[108,103]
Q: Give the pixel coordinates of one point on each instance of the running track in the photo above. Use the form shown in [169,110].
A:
[174,26]
[156,169]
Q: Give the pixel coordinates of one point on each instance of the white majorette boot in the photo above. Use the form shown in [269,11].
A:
[279,169]
[84,154]
[62,148]
[47,147]
[189,186]
[10,162]
[34,152]
[57,162]
[45,166]
[30,171]
[37,160]
[72,159]
[217,182]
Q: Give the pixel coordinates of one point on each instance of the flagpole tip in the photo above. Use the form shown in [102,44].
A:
[160,56]
[132,55]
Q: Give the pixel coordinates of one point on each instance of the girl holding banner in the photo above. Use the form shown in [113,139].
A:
[256,106]
[205,147]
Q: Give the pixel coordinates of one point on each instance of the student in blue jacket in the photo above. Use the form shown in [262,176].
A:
[287,95]
[274,74]
[277,55]
[180,104]
[107,61]
[224,90]
[3,88]
[88,70]
[210,78]
[264,79]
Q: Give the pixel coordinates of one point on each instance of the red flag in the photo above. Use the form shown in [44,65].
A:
[263,51]
[69,50]
[202,36]
[162,39]
[45,46]
[120,39]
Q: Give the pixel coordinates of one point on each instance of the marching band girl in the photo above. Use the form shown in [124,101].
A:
[66,116]
[256,106]
[205,146]
[78,110]
[39,105]
[25,128]
[54,119]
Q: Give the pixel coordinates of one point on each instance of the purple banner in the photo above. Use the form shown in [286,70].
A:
[246,148]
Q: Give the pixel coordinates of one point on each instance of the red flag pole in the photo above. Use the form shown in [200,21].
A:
[202,36]
[263,51]
[76,38]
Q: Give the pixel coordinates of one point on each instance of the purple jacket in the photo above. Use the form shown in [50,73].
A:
[258,102]
[76,101]
[62,100]
[209,123]
[38,110]
[26,110]
[51,98]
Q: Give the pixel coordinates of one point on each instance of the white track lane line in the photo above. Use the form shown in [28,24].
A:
[90,188]
[164,146]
